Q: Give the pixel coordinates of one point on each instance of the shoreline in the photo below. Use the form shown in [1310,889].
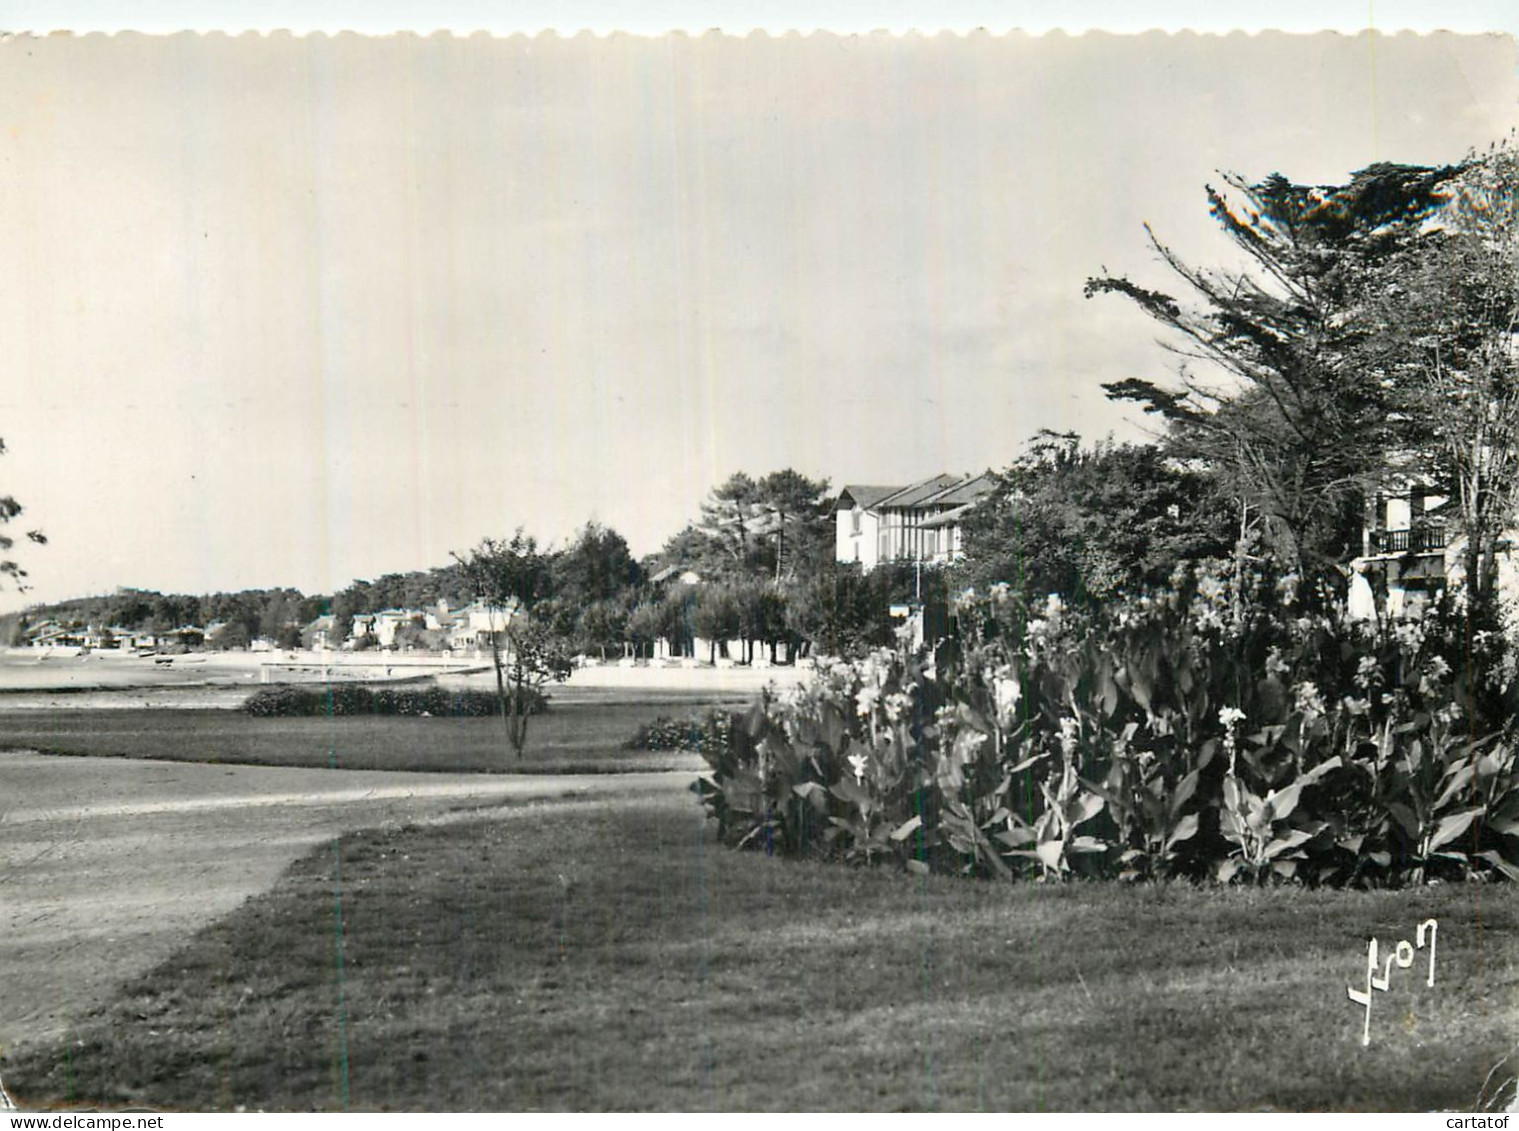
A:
[33,680]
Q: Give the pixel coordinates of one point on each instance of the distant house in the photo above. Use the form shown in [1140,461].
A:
[319,633]
[51,634]
[186,635]
[438,618]
[387,621]
[1409,554]
[920,522]
[474,624]
[379,629]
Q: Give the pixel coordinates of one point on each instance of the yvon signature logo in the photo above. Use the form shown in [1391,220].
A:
[1403,956]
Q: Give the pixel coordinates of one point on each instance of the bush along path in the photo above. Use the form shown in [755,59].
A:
[289,701]
[1219,730]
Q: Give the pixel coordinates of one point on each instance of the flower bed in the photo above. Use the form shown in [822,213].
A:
[1218,730]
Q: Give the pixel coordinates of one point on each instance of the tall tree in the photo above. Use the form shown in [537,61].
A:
[1089,523]
[10,510]
[796,519]
[510,578]
[774,527]
[596,566]
[1291,410]
[728,518]
[716,618]
[1447,318]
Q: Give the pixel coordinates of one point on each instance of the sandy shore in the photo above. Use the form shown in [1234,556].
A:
[32,680]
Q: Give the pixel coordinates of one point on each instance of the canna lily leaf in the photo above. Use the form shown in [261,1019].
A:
[1183,792]
[1497,861]
[1284,843]
[1506,822]
[1231,792]
[1186,829]
[1230,826]
[906,829]
[1050,854]
[847,789]
[1015,837]
[1280,803]
[1027,762]
[1452,827]
[1458,781]
[1083,808]
[1405,817]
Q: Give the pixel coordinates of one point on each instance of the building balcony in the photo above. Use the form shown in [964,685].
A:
[1420,540]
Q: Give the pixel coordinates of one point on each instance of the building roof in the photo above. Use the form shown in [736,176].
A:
[864,496]
[948,518]
[966,491]
[920,492]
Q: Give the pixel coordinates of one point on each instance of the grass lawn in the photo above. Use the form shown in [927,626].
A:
[579,734]
[593,955]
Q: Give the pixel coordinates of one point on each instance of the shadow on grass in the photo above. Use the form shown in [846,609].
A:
[597,955]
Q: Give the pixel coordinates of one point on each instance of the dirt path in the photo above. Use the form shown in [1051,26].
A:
[107,864]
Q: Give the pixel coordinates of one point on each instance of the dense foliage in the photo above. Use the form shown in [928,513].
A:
[707,733]
[1091,523]
[357,699]
[1215,729]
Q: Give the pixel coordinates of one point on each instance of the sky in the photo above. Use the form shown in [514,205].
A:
[297,310]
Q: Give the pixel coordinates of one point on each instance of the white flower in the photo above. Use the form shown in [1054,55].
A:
[1307,698]
[1438,668]
[858,763]
[1368,672]
[1275,663]
[897,705]
[1068,736]
[865,701]
[1006,693]
[1286,589]
[1228,716]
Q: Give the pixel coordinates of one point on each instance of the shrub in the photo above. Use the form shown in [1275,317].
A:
[1215,730]
[357,699]
[703,733]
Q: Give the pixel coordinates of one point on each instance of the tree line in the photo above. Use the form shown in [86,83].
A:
[1362,342]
